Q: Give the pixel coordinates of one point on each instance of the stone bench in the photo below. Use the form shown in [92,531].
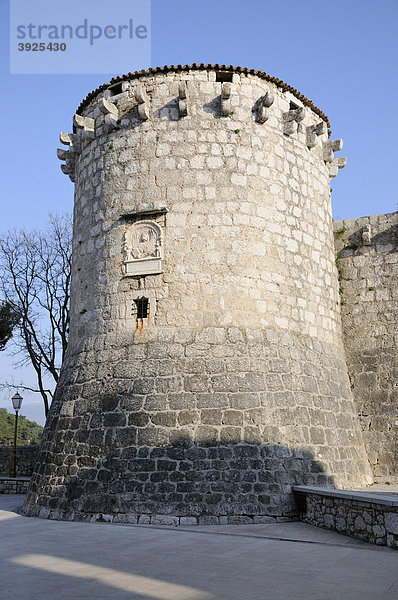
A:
[14,485]
[366,515]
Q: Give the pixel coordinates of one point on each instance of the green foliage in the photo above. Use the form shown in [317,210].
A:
[29,432]
[340,278]
[341,230]
[371,289]
[8,320]
[339,268]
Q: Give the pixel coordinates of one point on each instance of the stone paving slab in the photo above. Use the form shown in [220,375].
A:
[44,560]
[295,532]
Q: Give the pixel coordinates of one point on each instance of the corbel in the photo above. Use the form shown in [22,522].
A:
[330,147]
[142,99]
[110,111]
[313,132]
[291,119]
[226,90]
[262,105]
[367,236]
[69,156]
[335,165]
[182,100]
[85,125]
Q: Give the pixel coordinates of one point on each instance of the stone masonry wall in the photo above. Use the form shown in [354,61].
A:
[236,386]
[222,453]
[26,458]
[368,262]
[16,485]
[369,521]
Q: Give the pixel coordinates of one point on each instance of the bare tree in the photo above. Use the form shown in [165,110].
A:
[35,283]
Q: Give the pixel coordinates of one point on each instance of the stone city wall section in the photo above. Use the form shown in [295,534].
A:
[367,258]
[26,457]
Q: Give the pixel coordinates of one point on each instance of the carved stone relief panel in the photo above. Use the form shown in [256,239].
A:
[143,249]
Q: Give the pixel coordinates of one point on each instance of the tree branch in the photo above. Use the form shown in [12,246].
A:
[35,281]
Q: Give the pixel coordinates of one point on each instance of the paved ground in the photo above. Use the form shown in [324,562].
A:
[52,560]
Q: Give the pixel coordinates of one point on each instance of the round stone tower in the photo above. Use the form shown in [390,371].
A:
[205,372]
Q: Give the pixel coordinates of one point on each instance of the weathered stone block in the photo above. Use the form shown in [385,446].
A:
[391,522]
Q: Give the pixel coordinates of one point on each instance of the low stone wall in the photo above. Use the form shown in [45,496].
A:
[367,516]
[14,485]
[26,458]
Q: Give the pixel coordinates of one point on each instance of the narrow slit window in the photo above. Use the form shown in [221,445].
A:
[116,89]
[142,307]
[224,76]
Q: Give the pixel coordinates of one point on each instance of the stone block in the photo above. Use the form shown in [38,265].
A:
[164,520]
[188,521]
[264,519]
[391,522]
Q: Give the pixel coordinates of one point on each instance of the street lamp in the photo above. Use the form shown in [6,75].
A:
[17,403]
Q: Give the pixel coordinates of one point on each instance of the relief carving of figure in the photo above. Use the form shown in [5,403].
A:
[142,241]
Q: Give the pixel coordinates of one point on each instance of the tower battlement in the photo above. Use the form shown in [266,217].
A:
[173,93]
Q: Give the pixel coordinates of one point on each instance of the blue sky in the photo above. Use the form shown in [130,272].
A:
[340,54]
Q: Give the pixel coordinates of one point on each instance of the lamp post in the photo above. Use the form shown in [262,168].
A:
[17,403]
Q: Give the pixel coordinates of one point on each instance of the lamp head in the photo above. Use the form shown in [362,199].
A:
[17,401]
